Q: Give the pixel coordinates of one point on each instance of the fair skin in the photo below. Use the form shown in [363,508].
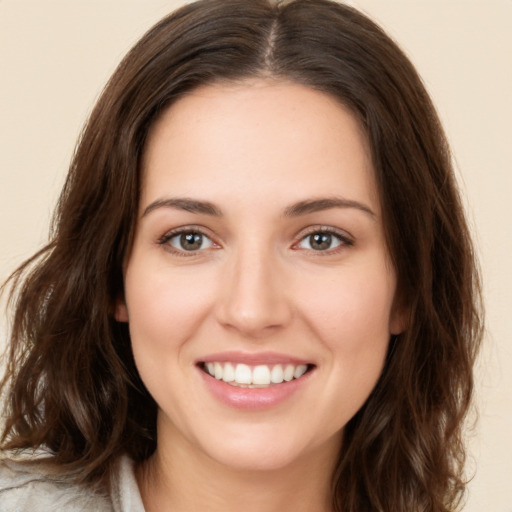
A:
[259,244]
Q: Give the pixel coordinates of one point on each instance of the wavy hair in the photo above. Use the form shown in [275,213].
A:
[71,385]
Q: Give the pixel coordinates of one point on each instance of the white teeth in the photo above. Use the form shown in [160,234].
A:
[243,374]
[288,372]
[218,371]
[229,373]
[261,375]
[276,376]
[300,371]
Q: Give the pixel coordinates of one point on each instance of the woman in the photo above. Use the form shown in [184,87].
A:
[260,290]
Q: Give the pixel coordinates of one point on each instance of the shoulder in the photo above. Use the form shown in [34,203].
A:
[25,487]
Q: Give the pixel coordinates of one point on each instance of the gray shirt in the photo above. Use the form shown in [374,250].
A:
[26,489]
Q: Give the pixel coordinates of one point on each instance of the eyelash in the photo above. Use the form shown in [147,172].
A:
[193,230]
[343,238]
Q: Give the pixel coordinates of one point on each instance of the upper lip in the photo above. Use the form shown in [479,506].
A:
[252,358]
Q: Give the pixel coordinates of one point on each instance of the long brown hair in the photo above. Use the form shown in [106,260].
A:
[71,385]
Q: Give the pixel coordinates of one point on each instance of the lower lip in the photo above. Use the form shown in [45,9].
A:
[253,398]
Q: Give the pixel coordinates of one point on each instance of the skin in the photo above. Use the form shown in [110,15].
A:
[253,150]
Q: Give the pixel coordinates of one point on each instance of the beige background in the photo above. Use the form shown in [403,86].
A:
[55,55]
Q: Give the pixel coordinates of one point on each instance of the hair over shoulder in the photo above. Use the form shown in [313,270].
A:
[71,385]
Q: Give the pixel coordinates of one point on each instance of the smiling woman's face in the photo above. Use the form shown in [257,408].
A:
[259,257]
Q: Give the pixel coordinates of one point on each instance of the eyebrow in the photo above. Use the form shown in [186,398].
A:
[184,203]
[295,210]
[320,204]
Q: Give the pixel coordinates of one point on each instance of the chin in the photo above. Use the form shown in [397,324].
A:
[267,450]
[254,459]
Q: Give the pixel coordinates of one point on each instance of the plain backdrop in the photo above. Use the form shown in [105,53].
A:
[55,56]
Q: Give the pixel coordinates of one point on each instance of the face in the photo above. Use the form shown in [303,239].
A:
[258,291]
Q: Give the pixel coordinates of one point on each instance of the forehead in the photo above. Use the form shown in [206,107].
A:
[254,137]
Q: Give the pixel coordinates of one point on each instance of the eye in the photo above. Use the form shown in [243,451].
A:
[323,241]
[188,241]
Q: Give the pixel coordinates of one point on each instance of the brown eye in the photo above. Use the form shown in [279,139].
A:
[190,241]
[322,241]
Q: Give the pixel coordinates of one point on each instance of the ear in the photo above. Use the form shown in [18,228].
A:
[398,324]
[120,310]
[399,319]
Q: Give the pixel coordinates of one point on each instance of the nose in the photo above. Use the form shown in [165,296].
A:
[254,299]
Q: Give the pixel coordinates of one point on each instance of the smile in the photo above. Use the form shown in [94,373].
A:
[259,376]
[254,381]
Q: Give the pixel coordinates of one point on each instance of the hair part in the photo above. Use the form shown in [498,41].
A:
[71,385]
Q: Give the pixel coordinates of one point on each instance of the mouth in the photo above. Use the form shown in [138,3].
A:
[259,376]
[255,381]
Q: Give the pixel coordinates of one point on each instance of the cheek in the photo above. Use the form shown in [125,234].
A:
[164,306]
[351,313]
[350,317]
[352,300]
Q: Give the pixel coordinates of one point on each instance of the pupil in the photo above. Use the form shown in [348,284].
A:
[191,241]
[320,241]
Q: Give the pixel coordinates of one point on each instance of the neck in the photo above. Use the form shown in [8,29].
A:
[184,479]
